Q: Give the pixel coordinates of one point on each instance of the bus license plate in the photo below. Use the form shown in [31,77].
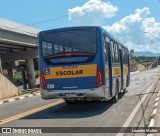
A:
[71,95]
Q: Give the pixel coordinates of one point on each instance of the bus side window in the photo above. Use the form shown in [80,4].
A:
[126,57]
[123,56]
[112,51]
[119,48]
[116,53]
[104,49]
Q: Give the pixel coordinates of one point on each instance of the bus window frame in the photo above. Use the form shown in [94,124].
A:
[104,49]
[112,51]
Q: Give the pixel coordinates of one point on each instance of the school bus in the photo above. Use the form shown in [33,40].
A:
[82,63]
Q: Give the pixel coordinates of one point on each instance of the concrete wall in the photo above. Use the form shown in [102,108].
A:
[7,88]
[137,67]
[17,37]
[133,67]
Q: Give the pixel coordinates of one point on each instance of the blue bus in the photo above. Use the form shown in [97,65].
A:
[82,64]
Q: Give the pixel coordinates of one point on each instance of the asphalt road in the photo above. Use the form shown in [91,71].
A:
[90,114]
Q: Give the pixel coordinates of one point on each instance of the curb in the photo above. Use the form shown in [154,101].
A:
[154,112]
[19,98]
[136,72]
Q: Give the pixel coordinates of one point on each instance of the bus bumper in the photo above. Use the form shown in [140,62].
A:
[81,94]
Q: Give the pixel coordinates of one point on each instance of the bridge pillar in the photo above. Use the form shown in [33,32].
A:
[10,74]
[24,81]
[0,65]
[30,73]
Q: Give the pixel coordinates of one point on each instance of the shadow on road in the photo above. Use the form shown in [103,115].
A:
[77,110]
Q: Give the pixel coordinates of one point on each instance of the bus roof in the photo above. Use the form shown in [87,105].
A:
[83,27]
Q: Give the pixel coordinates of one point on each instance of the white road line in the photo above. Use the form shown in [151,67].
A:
[150,135]
[30,95]
[21,97]
[135,72]
[11,100]
[154,112]
[156,104]
[157,99]
[151,124]
[133,113]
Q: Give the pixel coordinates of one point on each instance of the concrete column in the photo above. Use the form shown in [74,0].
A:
[0,65]
[24,81]
[30,73]
[10,74]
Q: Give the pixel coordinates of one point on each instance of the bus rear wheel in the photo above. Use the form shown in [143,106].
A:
[116,97]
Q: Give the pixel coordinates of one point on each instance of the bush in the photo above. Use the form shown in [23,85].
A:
[17,79]
[36,74]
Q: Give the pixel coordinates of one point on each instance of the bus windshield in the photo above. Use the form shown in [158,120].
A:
[69,43]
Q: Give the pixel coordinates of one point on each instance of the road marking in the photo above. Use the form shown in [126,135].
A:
[154,112]
[151,124]
[21,97]
[30,95]
[156,104]
[157,99]
[31,111]
[131,116]
[11,100]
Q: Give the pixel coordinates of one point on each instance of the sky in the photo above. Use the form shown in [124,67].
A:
[134,22]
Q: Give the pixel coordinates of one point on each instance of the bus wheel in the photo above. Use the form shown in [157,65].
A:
[116,97]
[124,90]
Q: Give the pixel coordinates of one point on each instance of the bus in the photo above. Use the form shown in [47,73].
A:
[82,63]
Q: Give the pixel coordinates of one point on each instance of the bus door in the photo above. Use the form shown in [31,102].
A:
[109,68]
[121,67]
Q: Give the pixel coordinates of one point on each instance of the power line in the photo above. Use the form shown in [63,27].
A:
[57,17]
[153,35]
[49,20]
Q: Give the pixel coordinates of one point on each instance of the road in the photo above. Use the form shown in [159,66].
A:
[91,114]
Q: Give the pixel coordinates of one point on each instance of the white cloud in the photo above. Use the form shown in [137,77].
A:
[92,12]
[130,30]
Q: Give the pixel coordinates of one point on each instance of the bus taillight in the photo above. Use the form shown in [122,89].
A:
[42,81]
[99,78]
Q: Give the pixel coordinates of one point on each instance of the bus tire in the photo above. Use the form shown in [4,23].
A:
[124,90]
[116,97]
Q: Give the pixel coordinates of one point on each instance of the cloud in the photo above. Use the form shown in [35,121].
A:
[92,12]
[130,30]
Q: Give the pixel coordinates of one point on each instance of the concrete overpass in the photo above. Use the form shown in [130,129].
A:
[18,42]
